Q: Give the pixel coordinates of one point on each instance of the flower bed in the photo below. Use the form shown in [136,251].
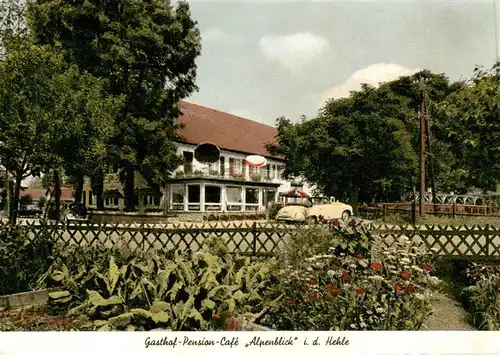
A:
[482,296]
[352,286]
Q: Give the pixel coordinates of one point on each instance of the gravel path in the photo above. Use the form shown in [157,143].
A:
[448,315]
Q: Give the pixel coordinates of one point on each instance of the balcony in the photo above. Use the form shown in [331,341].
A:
[215,174]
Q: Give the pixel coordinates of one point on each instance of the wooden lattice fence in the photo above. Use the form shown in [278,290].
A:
[471,242]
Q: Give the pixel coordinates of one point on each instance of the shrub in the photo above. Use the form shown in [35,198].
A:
[385,289]
[179,291]
[482,296]
[343,236]
[23,260]
[273,210]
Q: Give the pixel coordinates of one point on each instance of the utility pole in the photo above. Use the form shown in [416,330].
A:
[422,149]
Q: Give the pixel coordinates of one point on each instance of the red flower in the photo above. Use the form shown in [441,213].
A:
[359,291]
[329,286]
[290,301]
[313,281]
[427,268]
[216,316]
[335,223]
[398,287]
[313,296]
[334,290]
[409,289]
[376,266]
[474,275]
[359,256]
[345,276]
[305,288]
[323,220]
[405,275]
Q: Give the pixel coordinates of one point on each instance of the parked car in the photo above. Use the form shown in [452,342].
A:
[29,211]
[292,214]
[335,210]
[300,213]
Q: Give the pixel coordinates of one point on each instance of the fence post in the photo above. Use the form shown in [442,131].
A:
[489,240]
[383,212]
[454,211]
[413,212]
[255,235]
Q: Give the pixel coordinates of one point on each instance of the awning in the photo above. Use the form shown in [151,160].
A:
[294,193]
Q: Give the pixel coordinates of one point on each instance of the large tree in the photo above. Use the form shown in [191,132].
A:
[47,109]
[146,51]
[365,147]
[469,120]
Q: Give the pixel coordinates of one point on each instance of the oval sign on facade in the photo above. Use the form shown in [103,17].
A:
[256,161]
[207,153]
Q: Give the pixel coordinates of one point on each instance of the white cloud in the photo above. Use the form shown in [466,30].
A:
[373,75]
[295,50]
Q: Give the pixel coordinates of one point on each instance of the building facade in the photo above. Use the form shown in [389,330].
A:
[228,185]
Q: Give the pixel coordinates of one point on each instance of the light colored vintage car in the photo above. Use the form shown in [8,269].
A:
[297,213]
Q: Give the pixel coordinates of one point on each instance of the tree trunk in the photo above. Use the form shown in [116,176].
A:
[78,189]
[8,193]
[15,200]
[57,194]
[129,190]
[97,182]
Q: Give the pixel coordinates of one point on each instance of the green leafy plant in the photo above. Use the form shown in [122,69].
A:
[482,296]
[179,291]
[23,259]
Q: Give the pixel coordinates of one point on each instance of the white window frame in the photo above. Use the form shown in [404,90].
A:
[242,196]
[252,205]
[194,204]
[177,204]
[210,204]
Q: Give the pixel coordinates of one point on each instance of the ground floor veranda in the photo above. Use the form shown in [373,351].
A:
[219,195]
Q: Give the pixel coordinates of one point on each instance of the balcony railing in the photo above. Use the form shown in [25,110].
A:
[228,176]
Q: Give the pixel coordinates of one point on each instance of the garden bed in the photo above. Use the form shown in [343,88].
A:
[336,278]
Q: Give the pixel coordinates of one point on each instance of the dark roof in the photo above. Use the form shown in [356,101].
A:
[203,124]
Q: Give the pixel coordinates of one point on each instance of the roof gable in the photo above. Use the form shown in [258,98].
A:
[203,124]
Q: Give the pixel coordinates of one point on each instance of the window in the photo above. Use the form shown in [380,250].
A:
[177,194]
[251,199]
[212,198]
[281,171]
[188,162]
[268,171]
[112,201]
[194,194]
[234,198]
[251,196]
[270,196]
[235,167]
[194,197]
[212,194]
[222,171]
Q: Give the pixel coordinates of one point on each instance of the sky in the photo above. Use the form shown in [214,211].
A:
[266,59]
